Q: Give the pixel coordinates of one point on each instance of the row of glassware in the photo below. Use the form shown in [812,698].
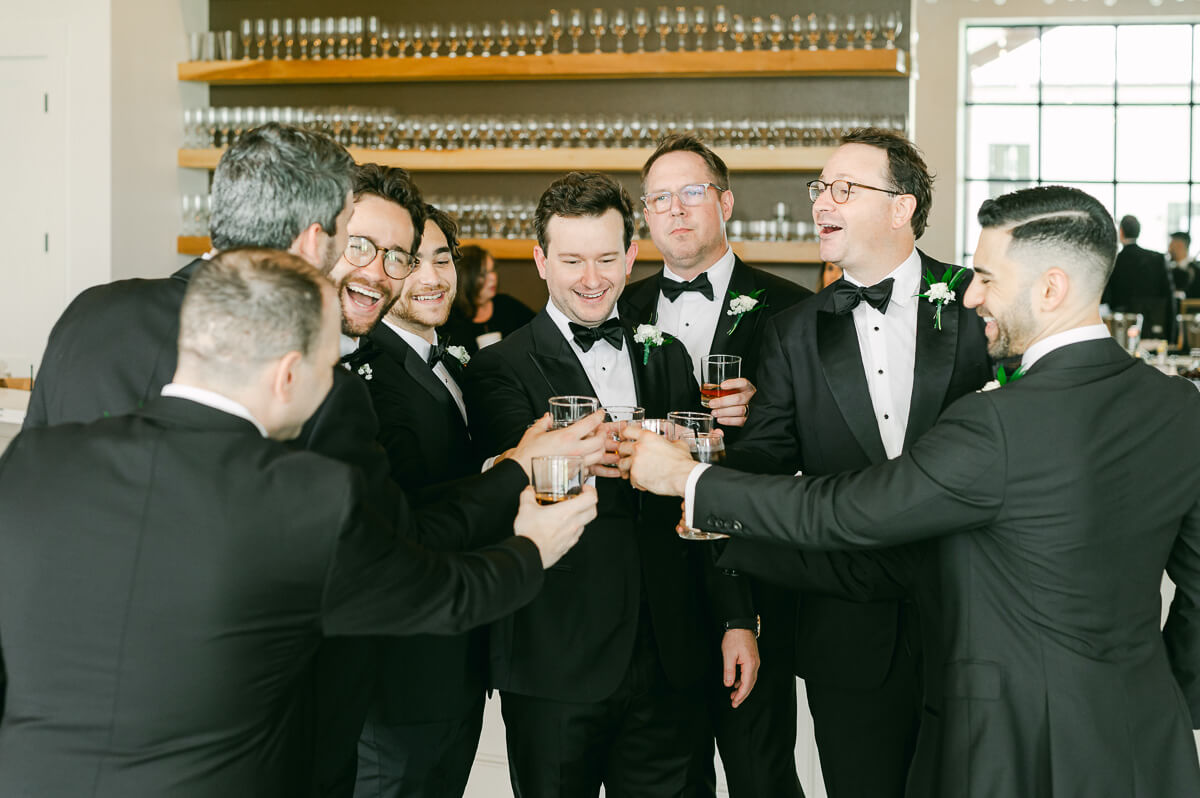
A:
[495,217]
[357,37]
[388,129]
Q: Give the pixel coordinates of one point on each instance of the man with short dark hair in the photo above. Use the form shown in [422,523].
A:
[687,200]
[158,626]
[1140,284]
[849,378]
[602,679]
[1051,521]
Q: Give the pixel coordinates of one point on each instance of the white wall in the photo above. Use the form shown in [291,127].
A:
[938,60]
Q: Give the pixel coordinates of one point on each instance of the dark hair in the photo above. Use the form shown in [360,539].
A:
[273,183]
[1057,217]
[906,168]
[248,306]
[469,263]
[689,142]
[1184,237]
[447,225]
[393,184]
[1131,228]
[582,194]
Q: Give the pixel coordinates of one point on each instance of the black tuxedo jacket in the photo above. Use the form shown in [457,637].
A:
[1047,673]
[428,677]
[639,303]
[813,413]
[158,625]
[575,641]
[1139,283]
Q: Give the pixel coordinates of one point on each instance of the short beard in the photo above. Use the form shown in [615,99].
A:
[1012,335]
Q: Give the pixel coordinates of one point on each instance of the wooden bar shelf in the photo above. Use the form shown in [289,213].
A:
[556,66]
[757,159]
[522,249]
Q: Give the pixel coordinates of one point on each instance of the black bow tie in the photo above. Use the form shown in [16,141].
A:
[671,289]
[847,295]
[437,354]
[609,331]
[366,350]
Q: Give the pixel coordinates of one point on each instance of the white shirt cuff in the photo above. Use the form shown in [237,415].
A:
[689,492]
[488,463]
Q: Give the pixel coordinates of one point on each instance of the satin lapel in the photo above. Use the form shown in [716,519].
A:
[642,375]
[741,281]
[841,361]
[555,360]
[932,366]
[642,304]
[399,352]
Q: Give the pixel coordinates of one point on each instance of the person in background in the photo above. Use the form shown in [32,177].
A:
[1139,283]
[1184,270]
[830,274]
[481,316]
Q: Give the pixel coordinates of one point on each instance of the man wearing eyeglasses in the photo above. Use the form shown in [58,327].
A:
[687,200]
[849,378]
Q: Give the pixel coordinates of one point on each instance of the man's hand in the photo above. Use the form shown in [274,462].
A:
[653,463]
[554,528]
[731,410]
[609,462]
[585,438]
[739,651]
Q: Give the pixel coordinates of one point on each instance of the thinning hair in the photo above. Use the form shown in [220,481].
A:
[247,307]
[449,227]
[907,171]
[689,142]
[469,264]
[582,194]
[1060,223]
[396,185]
[273,183]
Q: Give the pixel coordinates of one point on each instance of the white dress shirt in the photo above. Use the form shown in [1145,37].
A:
[608,369]
[693,317]
[217,401]
[1038,350]
[888,344]
[422,348]
[346,345]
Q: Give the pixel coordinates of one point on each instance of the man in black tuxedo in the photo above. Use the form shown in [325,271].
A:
[688,199]
[1140,283]
[114,348]
[1185,272]
[602,679]
[157,625]
[1052,522]
[426,711]
[849,378]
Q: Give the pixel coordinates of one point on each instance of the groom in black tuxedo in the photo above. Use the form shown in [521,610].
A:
[688,198]
[849,378]
[602,678]
[426,709]
[1053,504]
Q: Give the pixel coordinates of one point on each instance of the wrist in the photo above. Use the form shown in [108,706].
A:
[749,624]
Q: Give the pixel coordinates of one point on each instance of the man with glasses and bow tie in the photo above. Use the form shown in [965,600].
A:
[687,201]
[849,378]
[602,678]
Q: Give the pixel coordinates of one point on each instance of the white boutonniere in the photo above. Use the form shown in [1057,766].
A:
[1003,378]
[649,336]
[941,293]
[364,371]
[741,304]
[459,353]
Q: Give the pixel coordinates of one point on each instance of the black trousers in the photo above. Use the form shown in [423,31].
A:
[643,741]
[418,760]
[866,737]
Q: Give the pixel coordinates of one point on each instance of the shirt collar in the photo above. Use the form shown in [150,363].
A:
[718,273]
[907,277]
[347,345]
[419,344]
[217,401]
[561,321]
[1039,349]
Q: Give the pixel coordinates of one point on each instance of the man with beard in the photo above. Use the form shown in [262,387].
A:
[426,710]
[1052,522]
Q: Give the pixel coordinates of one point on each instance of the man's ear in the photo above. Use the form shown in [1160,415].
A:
[903,208]
[539,258]
[284,376]
[726,205]
[1053,289]
[630,257]
[310,244]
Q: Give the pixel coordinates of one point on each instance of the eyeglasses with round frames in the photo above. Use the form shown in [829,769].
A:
[690,195]
[840,190]
[361,251]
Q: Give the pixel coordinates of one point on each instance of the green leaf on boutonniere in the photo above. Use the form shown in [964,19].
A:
[741,304]
[1004,378]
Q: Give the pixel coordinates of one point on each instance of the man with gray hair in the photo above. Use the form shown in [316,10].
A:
[157,626]
[1053,503]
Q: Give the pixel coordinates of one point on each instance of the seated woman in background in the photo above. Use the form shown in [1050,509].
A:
[481,316]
